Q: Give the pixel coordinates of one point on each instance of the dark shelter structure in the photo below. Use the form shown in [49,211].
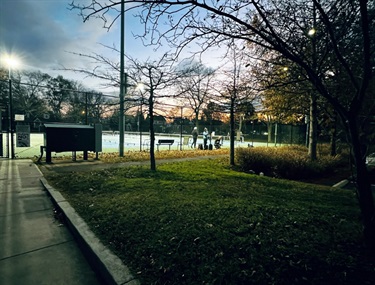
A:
[71,137]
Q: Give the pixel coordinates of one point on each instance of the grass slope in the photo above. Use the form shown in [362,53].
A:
[199,222]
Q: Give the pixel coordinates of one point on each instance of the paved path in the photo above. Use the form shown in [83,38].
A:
[34,247]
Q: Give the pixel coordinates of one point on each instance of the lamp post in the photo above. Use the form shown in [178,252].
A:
[12,62]
[123,81]
[10,112]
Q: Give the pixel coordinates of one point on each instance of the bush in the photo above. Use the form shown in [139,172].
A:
[289,162]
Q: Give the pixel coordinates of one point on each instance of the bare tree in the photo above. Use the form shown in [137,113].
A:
[103,68]
[235,93]
[155,77]
[283,26]
[194,85]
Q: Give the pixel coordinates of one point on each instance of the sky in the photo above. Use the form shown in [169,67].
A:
[43,34]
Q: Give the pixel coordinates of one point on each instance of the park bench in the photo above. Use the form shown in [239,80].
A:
[164,142]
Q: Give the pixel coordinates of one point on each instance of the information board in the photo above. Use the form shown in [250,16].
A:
[23,135]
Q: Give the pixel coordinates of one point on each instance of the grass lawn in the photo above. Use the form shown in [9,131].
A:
[200,222]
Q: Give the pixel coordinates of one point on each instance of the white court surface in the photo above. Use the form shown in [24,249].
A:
[110,143]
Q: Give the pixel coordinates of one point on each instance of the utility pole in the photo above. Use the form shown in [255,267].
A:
[11,124]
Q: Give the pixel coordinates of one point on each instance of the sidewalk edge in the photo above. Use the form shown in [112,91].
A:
[106,264]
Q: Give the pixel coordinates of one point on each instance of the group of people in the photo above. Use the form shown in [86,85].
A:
[205,135]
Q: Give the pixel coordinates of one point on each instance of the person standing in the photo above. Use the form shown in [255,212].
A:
[195,137]
[205,137]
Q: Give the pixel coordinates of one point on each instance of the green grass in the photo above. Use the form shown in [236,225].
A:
[200,222]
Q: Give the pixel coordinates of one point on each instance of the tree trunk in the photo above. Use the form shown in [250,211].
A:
[197,119]
[365,196]
[232,130]
[269,130]
[152,131]
[240,124]
[152,137]
[313,126]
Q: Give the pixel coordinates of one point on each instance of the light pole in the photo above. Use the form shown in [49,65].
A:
[12,62]
[123,81]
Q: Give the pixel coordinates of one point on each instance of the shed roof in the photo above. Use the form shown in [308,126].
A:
[67,126]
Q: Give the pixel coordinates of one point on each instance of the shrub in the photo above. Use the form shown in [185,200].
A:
[289,162]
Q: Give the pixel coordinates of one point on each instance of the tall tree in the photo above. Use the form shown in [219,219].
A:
[29,98]
[154,78]
[284,94]
[58,95]
[234,92]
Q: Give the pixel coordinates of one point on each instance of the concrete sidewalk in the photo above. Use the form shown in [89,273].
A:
[34,247]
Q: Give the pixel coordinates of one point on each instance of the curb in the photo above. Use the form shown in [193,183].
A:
[106,264]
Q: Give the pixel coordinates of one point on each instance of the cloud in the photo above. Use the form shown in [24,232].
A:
[43,33]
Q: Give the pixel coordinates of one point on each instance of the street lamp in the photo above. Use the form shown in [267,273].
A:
[12,63]
[311,32]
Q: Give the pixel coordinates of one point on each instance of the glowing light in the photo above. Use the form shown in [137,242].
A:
[141,87]
[311,32]
[12,62]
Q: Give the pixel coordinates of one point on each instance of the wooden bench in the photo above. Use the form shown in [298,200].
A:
[165,142]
